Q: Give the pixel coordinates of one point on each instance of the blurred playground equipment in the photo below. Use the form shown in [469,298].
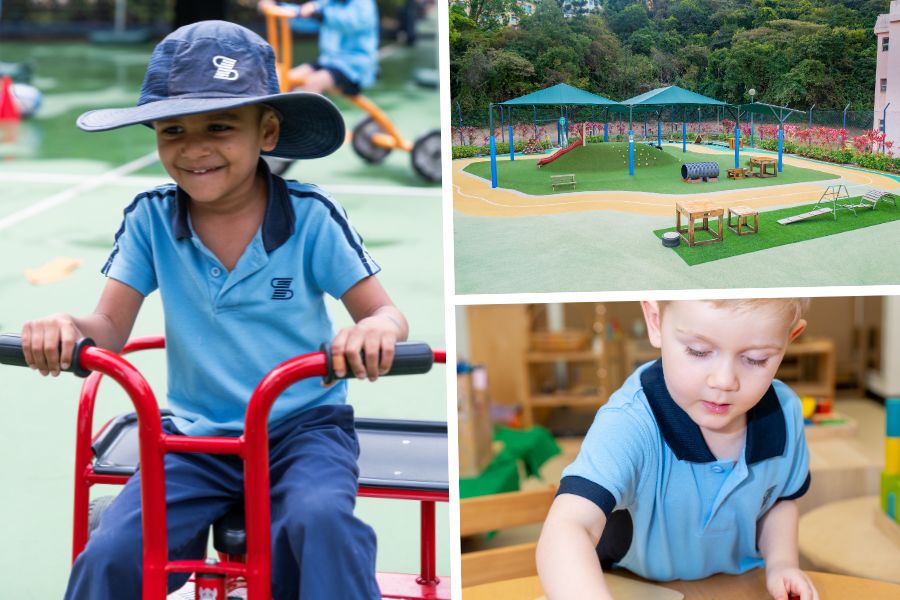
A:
[374,137]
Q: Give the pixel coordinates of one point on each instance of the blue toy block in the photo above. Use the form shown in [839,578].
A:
[892,415]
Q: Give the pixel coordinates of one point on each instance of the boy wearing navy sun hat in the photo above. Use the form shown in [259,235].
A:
[243,260]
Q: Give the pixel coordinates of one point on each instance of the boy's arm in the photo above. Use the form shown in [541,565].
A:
[778,546]
[379,325]
[48,343]
[567,560]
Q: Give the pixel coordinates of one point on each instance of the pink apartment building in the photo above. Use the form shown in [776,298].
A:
[887,73]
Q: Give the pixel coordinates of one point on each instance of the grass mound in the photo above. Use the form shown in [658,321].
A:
[604,167]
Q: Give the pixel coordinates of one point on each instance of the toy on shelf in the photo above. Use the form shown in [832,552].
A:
[890,477]
[822,421]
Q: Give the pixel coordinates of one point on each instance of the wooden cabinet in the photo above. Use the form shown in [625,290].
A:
[809,367]
[568,366]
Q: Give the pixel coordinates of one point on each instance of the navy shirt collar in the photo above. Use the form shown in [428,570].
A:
[766,428]
[278,222]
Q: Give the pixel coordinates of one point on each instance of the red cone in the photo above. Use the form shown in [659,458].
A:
[9,111]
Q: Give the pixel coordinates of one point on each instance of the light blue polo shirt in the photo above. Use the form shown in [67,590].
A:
[348,38]
[226,330]
[674,511]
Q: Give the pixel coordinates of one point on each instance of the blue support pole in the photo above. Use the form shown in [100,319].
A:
[659,131]
[606,131]
[630,152]
[493,146]
[737,145]
[780,143]
[512,144]
[884,118]
[684,136]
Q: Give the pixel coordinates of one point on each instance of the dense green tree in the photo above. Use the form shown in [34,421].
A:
[796,52]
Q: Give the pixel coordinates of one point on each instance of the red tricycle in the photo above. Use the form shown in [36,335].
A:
[404,460]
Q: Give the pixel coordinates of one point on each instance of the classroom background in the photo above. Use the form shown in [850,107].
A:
[531,377]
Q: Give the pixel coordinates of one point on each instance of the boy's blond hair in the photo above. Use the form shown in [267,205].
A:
[792,309]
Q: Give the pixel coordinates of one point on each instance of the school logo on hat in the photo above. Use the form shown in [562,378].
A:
[225,68]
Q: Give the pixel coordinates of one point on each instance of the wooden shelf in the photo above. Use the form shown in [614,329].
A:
[567,378]
[559,400]
[550,357]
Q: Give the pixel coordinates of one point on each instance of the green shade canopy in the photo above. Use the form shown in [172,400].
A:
[671,96]
[561,94]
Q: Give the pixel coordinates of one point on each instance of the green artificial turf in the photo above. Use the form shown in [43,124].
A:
[772,234]
[600,167]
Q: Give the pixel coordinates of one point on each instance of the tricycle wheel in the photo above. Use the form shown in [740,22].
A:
[363,144]
[96,509]
[277,165]
[426,156]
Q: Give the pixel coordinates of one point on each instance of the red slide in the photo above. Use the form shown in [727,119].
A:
[558,153]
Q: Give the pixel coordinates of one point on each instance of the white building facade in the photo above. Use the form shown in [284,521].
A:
[887,74]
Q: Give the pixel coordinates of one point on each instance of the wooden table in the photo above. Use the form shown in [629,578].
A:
[698,209]
[844,537]
[763,163]
[749,586]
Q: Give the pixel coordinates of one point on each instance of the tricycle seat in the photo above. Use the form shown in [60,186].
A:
[394,454]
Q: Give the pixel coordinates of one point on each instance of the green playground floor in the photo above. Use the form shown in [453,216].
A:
[55,203]
[600,167]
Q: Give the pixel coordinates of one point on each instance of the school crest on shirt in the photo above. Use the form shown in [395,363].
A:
[766,497]
[282,288]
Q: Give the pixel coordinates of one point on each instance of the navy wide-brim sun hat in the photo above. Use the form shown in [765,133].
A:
[213,66]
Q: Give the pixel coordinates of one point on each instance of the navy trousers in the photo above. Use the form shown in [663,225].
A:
[319,549]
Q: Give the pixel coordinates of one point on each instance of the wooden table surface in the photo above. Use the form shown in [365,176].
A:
[843,537]
[749,586]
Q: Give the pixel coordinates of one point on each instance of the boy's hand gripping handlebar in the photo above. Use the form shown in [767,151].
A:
[410,358]
[11,353]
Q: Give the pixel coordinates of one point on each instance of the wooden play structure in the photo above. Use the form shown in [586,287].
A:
[562,180]
[533,147]
[743,226]
[763,163]
[692,210]
[738,173]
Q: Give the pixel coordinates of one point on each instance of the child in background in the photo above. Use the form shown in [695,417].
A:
[693,466]
[242,260]
[348,45]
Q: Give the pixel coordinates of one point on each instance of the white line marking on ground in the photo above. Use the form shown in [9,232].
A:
[147,181]
[70,194]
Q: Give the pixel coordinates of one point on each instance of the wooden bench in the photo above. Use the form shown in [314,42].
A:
[739,173]
[561,180]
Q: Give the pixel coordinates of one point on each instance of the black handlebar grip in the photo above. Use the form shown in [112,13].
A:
[410,358]
[11,353]
[11,350]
